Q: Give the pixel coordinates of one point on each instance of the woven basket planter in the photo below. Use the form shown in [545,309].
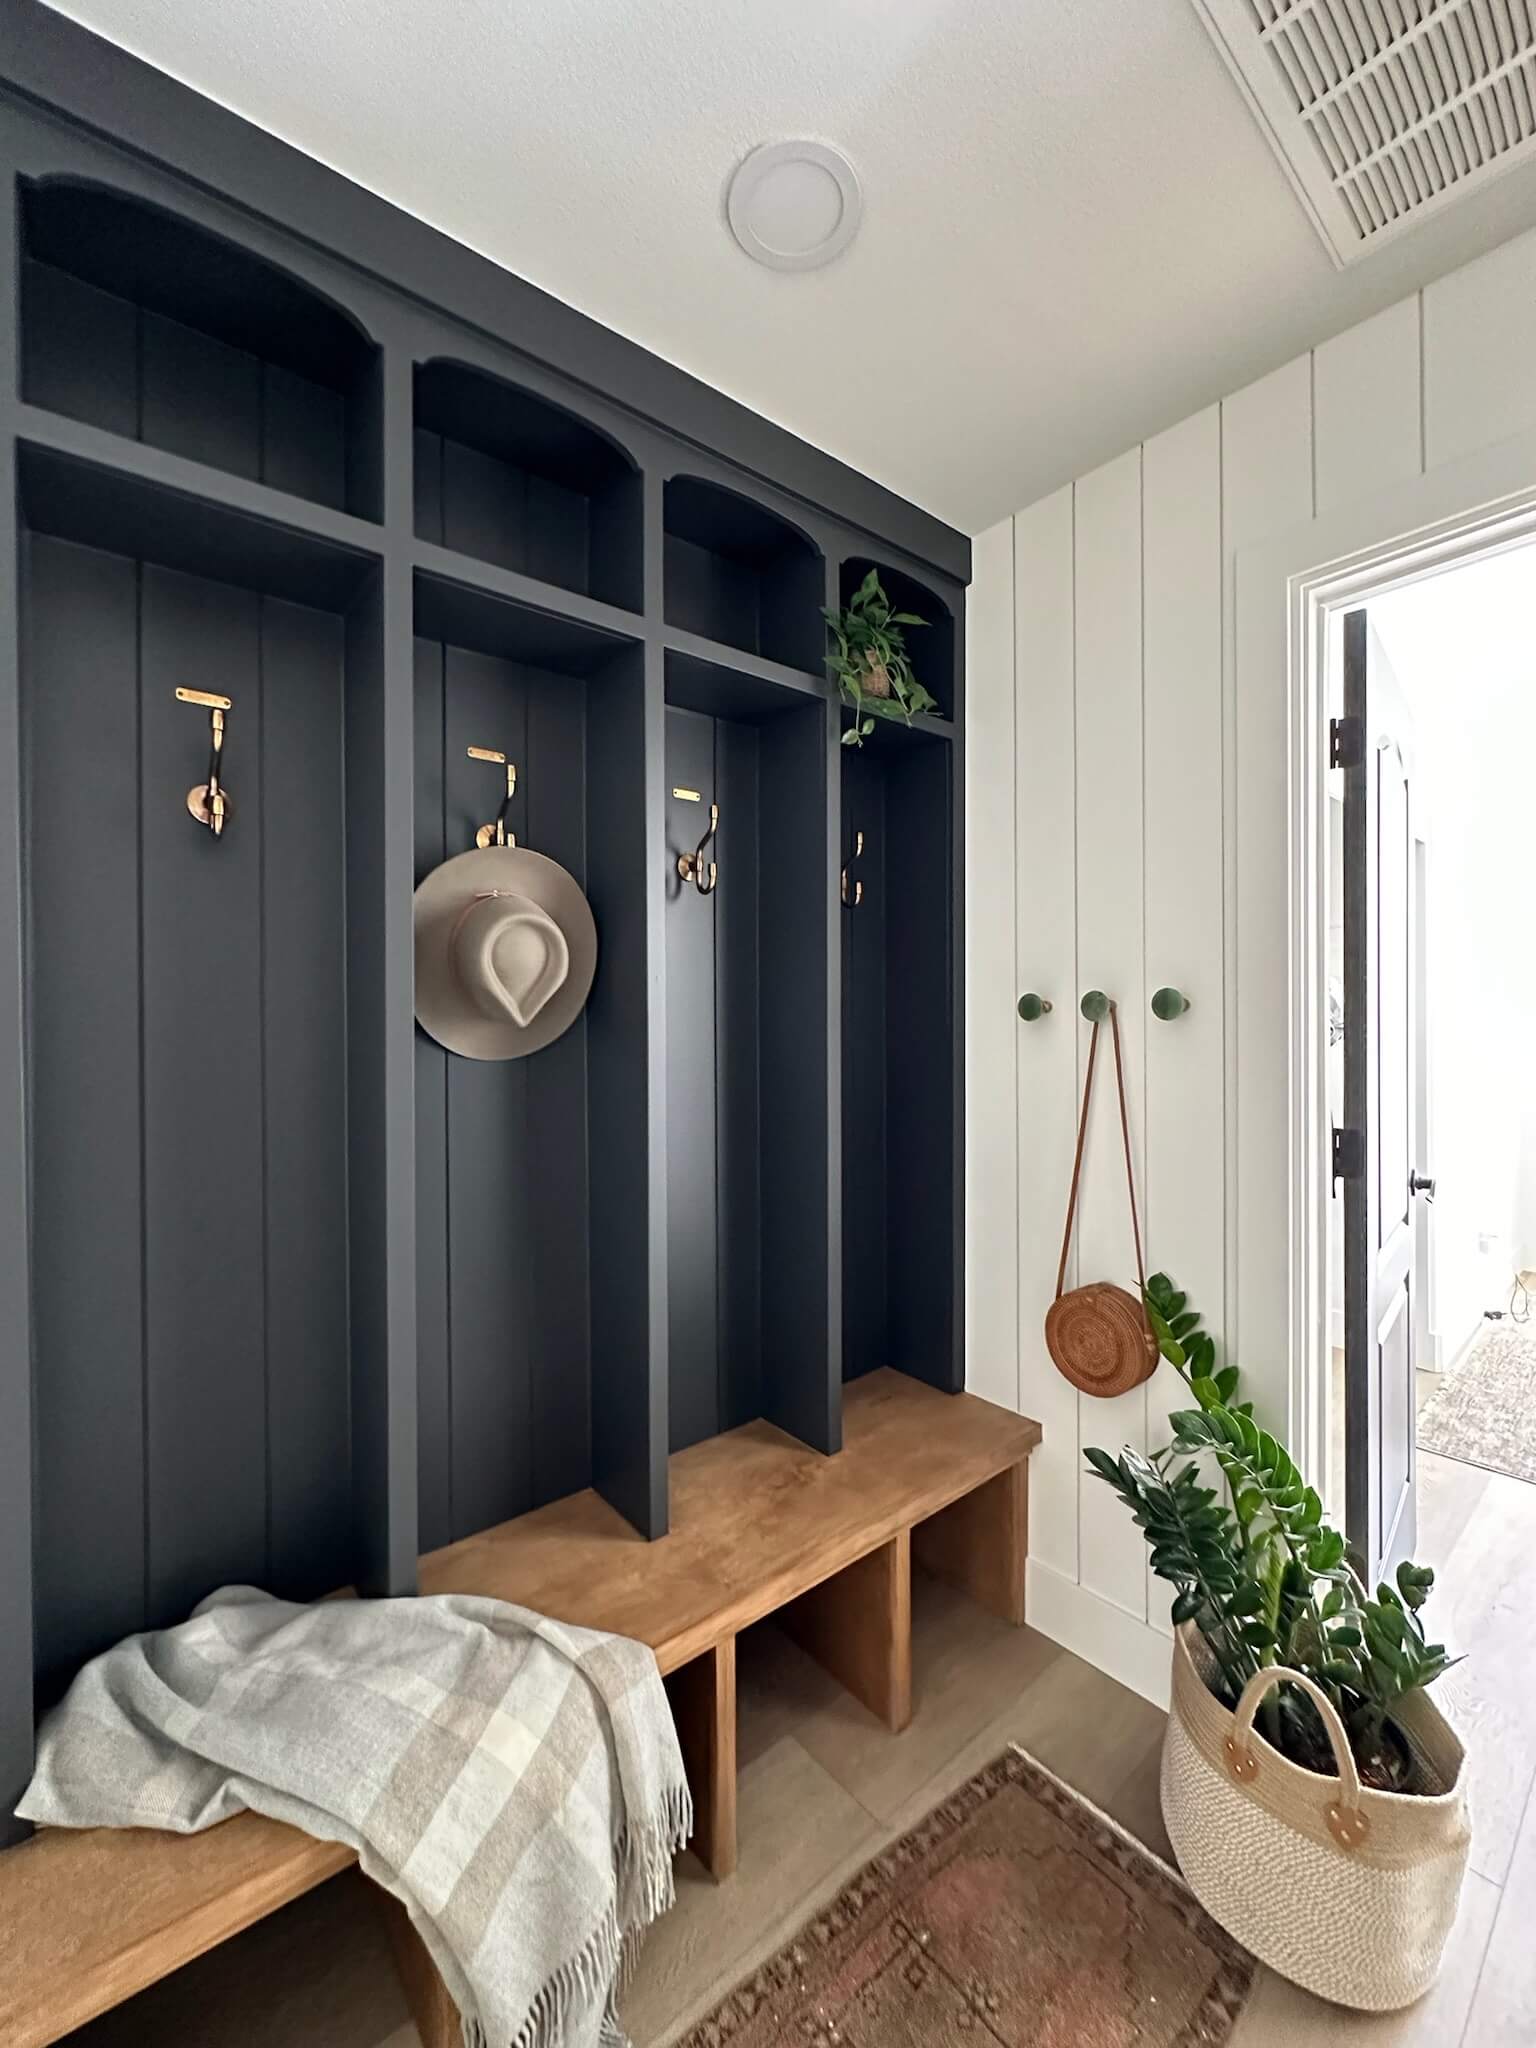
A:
[1347,1891]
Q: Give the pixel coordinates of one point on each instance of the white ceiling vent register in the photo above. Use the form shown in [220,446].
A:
[1384,110]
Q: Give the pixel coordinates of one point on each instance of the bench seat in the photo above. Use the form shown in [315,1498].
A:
[760,1525]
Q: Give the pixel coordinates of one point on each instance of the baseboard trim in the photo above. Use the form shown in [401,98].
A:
[1132,1651]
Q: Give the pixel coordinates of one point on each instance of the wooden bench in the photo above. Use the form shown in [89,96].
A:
[760,1526]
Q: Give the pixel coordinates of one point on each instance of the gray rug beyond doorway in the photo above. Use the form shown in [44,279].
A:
[1485,1412]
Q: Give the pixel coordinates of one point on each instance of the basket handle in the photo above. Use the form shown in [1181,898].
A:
[1347,1820]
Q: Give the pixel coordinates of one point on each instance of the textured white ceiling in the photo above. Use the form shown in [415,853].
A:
[1074,232]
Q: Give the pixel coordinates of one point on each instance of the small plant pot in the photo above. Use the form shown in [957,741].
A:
[1348,1891]
[876,680]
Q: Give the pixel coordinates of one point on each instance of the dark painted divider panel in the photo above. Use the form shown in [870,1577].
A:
[16,1400]
[801,1338]
[188,1093]
[629,1366]
[898,1182]
[747,1004]
[511,1241]
[381,1151]
[140,321]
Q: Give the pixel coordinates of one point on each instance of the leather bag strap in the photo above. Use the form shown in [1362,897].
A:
[1082,1139]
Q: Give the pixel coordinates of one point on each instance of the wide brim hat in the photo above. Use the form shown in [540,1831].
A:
[506,948]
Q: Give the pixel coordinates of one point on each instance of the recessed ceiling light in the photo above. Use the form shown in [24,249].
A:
[794,205]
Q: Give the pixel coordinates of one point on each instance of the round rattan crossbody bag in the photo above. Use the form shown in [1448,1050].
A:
[1098,1335]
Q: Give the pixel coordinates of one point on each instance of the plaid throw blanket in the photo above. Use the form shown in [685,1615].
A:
[515,1782]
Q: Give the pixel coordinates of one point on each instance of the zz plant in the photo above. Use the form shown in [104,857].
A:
[868,655]
[1259,1571]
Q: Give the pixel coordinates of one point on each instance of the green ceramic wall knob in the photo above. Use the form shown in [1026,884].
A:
[1032,1007]
[1096,1006]
[1169,1003]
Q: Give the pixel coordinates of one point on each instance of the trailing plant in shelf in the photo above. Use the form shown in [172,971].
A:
[1262,1575]
[869,658]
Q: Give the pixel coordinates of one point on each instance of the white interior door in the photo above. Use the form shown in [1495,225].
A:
[1376,1150]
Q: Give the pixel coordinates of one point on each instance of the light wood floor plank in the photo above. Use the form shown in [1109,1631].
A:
[1503,2012]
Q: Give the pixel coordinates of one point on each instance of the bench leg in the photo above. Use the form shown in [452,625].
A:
[435,2014]
[981,1542]
[703,1696]
[858,1625]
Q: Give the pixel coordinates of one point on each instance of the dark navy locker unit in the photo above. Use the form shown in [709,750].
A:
[288,1293]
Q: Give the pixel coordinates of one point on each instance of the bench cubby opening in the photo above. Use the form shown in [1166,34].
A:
[511,478]
[141,322]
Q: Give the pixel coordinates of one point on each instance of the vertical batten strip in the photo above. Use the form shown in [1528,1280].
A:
[15,1303]
[380,661]
[992,1027]
[1185,936]
[1267,465]
[1110,941]
[1046,963]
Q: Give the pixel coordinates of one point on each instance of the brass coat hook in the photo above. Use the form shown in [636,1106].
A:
[208,801]
[497,833]
[691,866]
[852,899]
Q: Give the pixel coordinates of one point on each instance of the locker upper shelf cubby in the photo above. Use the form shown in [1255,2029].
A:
[140,322]
[740,575]
[931,645]
[510,478]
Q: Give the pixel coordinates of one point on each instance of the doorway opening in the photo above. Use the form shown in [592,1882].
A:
[1430,1395]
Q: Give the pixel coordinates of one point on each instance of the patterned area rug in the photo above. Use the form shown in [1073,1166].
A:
[1484,1413]
[1016,1913]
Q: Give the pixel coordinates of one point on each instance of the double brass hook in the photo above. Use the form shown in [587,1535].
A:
[497,832]
[691,866]
[208,801]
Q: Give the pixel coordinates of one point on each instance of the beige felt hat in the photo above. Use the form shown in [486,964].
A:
[505,952]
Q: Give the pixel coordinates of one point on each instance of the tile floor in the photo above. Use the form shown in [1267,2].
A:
[823,1787]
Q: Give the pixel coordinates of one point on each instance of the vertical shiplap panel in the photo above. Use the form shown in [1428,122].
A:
[1480,353]
[1368,403]
[1110,956]
[992,1137]
[1186,1149]
[1267,471]
[1045,961]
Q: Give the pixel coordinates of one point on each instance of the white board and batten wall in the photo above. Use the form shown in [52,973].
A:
[1127,828]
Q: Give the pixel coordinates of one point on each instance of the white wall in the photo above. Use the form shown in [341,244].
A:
[1124,780]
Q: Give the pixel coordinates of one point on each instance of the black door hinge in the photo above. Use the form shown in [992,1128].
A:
[1346,747]
[1348,1154]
